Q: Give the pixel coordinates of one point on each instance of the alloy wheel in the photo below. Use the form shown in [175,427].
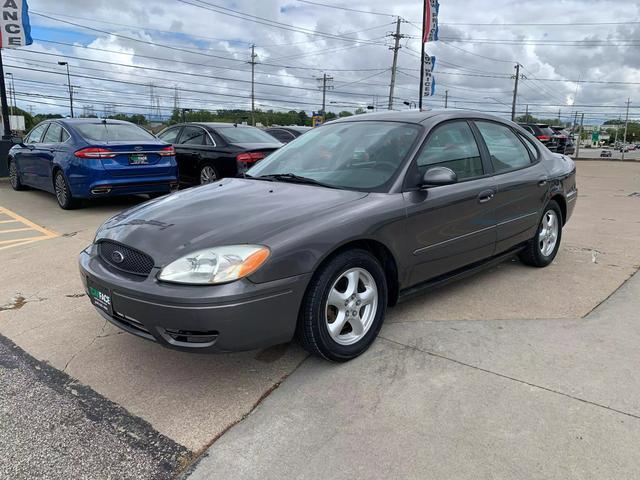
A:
[207,175]
[13,174]
[61,189]
[548,236]
[351,306]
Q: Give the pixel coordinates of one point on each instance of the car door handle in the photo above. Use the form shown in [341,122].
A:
[486,195]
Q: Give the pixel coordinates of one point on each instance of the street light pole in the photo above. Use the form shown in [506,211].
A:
[626,125]
[12,93]
[70,87]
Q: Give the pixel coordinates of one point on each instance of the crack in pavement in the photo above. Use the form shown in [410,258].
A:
[507,377]
[99,335]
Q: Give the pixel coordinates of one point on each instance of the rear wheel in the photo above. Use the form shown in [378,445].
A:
[344,306]
[14,176]
[208,174]
[542,249]
[63,192]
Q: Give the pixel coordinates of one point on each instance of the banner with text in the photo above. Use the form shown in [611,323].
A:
[429,86]
[430,32]
[15,29]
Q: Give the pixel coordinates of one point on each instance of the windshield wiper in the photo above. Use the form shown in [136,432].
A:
[293,178]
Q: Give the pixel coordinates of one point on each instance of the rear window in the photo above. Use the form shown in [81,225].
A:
[245,135]
[112,132]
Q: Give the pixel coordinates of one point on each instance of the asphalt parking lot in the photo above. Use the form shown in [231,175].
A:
[190,400]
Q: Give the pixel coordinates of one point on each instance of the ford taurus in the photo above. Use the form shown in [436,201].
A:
[318,239]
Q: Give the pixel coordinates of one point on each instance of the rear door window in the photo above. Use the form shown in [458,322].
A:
[452,145]
[36,134]
[192,136]
[507,152]
[53,135]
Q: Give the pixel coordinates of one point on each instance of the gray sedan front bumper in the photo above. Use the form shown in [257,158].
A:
[241,315]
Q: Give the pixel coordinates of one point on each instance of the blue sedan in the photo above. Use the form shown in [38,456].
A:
[90,158]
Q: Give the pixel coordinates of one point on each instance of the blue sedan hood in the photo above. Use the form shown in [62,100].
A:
[232,211]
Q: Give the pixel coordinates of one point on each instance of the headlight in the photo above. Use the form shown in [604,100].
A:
[215,265]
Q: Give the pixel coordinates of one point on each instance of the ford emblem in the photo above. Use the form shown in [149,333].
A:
[117,256]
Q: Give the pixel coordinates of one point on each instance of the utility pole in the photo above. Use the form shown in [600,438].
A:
[395,49]
[579,135]
[515,93]
[626,124]
[253,76]
[446,98]
[70,87]
[615,141]
[559,110]
[325,80]
[526,114]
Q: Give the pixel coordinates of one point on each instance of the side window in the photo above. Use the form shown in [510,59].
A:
[209,141]
[169,135]
[281,135]
[192,136]
[54,132]
[65,136]
[529,144]
[507,152]
[36,134]
[452,145]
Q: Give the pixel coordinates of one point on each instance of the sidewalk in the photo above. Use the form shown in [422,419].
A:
[456,400]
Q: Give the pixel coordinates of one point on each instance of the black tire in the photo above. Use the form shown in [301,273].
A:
[209,171]
[63,192]
[313,330]
[14,176]
[533,254]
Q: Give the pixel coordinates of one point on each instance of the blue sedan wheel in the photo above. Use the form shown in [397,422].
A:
[63,193]
[14,176]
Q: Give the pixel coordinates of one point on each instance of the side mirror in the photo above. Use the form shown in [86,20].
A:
[437,176]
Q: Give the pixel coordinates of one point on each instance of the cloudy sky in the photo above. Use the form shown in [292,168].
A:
[576,55]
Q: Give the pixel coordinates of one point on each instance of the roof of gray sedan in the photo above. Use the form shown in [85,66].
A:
[415,116]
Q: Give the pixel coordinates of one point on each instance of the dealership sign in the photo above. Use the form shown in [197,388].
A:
[430,30]
[429,85]
[15,29]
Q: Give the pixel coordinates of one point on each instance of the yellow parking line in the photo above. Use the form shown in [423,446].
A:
[39,237]
[23,241]
[8,221]
[16,230]
[15,216]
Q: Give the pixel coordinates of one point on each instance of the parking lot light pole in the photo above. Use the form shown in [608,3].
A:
[626,124]
[70,87]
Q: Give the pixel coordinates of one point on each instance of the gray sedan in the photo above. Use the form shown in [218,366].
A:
[318,239]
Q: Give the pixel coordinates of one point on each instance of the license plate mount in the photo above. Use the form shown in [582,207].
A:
[138,159]
[100,296]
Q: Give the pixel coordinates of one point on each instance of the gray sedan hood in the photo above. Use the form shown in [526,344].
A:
[232,211]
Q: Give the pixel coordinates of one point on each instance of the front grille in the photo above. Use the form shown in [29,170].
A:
[131,260]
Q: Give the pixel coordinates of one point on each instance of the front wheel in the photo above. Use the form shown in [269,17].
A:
[344,306]
[14,176]
[542,249]
[63,192]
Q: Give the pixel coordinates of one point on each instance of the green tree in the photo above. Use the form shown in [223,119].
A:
[360,111]
[344,113]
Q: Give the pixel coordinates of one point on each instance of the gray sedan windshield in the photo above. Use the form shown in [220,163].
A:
[352,155]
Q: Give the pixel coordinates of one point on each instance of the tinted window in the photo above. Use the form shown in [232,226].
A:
[36,134]
[169,135]
[507,152]
[112,132]
[281,135]
[53,135]
[245,135]
[192,136]
[65,136]
[452,145]
[355,155]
